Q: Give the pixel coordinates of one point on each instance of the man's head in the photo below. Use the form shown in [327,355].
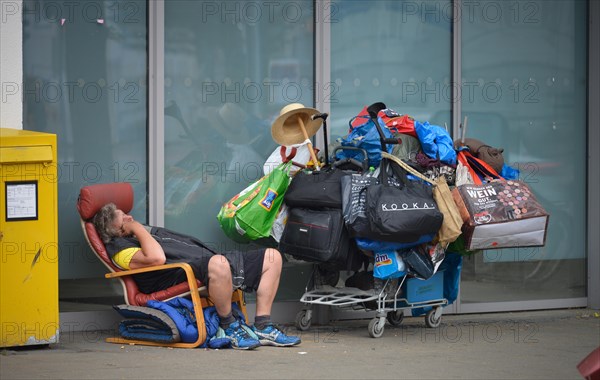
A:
[109,222]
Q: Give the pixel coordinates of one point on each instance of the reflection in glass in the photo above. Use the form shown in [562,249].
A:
[84,72]
[394,52]
[524,90]
[229,69]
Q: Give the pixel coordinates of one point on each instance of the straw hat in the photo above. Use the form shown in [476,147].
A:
[286,129]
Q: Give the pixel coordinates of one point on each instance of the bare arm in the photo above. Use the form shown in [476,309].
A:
[151,253]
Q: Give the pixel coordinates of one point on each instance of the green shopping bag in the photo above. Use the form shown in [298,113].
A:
[250,214]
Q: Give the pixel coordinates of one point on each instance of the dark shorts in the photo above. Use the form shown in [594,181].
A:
[246,271]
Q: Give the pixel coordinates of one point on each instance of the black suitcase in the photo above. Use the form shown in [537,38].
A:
[318,236]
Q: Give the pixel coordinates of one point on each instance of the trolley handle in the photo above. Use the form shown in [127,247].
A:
[373,110]
[323,116]
[364,165]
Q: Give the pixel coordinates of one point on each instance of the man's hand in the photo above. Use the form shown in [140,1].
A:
[131,227]
[151,253]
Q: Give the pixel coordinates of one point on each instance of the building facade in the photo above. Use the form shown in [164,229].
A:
[177,98]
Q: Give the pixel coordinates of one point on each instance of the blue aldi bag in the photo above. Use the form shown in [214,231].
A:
[365,136]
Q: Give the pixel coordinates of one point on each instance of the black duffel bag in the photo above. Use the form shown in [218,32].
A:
[322,189]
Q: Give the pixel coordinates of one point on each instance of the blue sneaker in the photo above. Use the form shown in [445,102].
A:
[240,338]
[271,335]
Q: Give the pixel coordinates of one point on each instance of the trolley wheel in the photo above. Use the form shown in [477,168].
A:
[395,318]
[303,320]
[376,327]
[431,320]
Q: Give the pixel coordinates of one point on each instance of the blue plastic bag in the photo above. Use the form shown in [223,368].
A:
[388,264]
[365,136]
[376,245]
[509,172]
[436,142]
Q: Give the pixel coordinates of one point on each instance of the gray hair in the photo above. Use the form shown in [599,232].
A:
[104,220]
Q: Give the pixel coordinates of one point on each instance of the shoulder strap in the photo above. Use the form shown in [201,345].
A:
[406,167]
[283,153]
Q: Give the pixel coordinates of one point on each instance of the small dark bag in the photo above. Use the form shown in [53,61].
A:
[317,189]
[418,262]
[322,189]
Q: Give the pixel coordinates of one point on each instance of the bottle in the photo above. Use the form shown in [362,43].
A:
[371,171]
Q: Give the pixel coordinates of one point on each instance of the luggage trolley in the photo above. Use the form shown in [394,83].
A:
[388,297]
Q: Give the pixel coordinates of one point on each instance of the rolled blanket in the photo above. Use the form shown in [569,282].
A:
[146,323]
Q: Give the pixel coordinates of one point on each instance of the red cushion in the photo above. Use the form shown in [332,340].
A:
[140,299]
[98,247]
[92,198]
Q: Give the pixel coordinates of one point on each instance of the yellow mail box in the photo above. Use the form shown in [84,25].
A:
[28,238]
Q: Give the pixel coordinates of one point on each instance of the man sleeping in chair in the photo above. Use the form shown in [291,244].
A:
[133,245]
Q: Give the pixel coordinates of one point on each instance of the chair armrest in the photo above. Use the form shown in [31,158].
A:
[129,272]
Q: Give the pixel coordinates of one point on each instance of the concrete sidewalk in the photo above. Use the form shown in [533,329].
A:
[524,345]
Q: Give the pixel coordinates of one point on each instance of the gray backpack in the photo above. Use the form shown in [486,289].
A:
[408,147]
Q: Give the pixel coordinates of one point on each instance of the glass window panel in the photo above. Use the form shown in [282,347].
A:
[397,52]
[524,90]
[230,66]
[84,73]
